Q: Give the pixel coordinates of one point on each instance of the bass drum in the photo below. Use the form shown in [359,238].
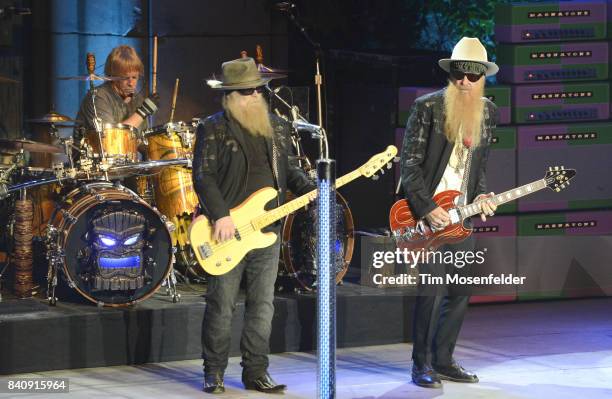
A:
[114,249]
[299,246]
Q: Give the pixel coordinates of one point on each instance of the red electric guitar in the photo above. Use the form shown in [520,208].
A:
[417,234]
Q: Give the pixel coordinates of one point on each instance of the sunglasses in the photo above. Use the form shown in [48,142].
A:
[249,92]
[472,77]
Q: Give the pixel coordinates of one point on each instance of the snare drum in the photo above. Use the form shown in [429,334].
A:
[119,142]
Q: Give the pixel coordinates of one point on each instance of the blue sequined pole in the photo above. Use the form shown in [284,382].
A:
[326,293]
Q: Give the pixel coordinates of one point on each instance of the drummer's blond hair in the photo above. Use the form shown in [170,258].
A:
[121,60]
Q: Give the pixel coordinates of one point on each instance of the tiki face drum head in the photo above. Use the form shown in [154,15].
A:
[117,248]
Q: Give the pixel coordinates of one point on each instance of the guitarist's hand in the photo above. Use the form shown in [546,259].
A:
[224,229]
[438,218]
[487,206]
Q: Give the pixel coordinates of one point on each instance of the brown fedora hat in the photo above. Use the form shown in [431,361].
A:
[241,73]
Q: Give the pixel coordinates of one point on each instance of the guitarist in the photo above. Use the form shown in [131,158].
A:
[238,151]
[445,130]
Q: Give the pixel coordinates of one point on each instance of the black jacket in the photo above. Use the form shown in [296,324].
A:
[220,164]
[426,151]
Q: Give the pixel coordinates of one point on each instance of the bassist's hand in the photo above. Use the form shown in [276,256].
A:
[487,207]
[224,229]
[438,218]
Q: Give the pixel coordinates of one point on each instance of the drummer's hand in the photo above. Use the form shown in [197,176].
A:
[224,229]
[149,106]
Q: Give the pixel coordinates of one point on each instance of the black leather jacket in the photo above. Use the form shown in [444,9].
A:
[426,151]
[220,164]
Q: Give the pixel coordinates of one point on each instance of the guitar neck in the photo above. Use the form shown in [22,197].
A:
[276,214]
[510,195]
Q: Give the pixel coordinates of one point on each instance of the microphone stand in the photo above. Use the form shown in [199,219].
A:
[320,134]
[318,78]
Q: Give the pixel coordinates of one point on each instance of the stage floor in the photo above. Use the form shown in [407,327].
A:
[560,349]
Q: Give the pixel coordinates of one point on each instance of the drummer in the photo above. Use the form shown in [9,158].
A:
[118,101]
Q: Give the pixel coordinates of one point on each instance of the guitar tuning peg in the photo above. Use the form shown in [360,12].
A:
[557,189]
[374,177]
[396,159]
[556,168]
[389,165]
[563,186]
[382,171]
[550,168]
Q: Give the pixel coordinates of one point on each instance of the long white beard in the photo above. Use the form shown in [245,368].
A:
[464,113]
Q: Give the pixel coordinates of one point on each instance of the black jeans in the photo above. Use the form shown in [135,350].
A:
[259,268]
[439,312]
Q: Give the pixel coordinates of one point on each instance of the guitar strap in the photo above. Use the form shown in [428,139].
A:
[275,168]
[466,176]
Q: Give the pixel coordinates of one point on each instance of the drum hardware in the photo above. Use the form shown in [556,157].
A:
[170,284]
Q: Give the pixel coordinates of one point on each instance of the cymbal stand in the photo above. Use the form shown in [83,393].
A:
[97,122]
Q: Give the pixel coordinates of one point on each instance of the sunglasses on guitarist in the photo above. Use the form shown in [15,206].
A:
[249,92]
[472,77]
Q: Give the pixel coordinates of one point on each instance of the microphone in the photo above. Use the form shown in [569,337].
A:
[308,127]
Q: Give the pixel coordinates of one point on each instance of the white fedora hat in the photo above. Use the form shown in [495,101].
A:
[469,49]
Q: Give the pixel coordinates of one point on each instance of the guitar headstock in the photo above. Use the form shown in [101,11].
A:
[378,161]
[557,177]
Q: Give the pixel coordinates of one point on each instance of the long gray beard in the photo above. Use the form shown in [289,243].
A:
[255,118]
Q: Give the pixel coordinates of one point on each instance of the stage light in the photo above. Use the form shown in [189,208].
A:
[326,294]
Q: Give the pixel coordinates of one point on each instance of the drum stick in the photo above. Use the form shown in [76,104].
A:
[154,85]
[174,94]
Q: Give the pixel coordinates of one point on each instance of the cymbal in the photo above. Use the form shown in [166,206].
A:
[4,79]
[52,117]
[272,72]
[93,77]
[29,145]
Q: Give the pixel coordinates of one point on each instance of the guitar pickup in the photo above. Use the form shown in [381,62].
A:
[205,251]
[237,235]
[454,215]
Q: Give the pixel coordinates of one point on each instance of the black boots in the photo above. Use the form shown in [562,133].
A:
[265,384]
[213,383]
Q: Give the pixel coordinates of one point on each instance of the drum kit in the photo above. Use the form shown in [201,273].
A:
[113,211]
[102,239]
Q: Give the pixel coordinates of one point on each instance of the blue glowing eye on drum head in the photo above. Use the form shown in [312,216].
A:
[132,240]
[107,241]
